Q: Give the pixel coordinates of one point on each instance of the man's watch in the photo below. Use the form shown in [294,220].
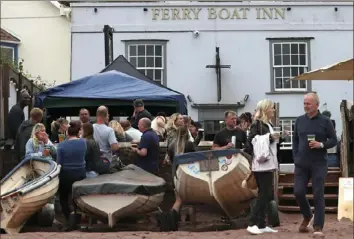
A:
[322,146]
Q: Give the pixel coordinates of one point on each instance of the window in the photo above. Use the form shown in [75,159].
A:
[8,54]
[149,59]
[289,59]
[287,125]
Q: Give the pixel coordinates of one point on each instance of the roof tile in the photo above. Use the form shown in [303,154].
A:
[5,36]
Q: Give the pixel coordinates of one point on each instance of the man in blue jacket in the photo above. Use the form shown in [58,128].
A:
[313,135]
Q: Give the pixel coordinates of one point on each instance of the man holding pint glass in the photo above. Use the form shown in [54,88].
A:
[313,135]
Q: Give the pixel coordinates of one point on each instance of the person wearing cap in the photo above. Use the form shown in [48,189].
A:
[16,115]
[139,113]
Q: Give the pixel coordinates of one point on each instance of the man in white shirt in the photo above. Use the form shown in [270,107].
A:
[132,132]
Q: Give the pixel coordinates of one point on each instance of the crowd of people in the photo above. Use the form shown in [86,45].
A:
[85,149]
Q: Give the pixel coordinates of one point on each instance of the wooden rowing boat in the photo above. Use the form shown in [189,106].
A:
[215,178]
[127,193]
[26,190]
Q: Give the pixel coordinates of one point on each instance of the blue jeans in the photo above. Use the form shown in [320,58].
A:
[333,160]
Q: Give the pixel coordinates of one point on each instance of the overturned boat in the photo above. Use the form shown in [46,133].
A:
[214,177]
[127,193]
[25,190]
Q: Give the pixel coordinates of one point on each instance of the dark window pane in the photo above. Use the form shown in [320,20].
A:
[286,49]
[277,49]
[286,82]
[277,60]
[141,50]
[294,84]
[302,49]
[149,61]
[158,74]
[278,83]
[294,71]
[303,60]
[294,49]
[286,72]
[141,61]
[133,61]
[150,74]
[132,50]
[303,84]
[209,126]
[158,50]
[301,70]
[294,60]
[158,81]
[158,61]
[142,71]
[277,72]
[150,50]
[286,60]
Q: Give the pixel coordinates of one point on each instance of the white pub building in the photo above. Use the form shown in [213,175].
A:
[260,46]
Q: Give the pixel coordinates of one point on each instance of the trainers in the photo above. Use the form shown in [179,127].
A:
[318,231]
[267,230]
[254,230]
[305,225]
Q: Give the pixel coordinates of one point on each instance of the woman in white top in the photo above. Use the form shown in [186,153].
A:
[263,170]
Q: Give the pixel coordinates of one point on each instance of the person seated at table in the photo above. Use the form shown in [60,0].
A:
[59,127]
[92,153]
[39,144]
[71,156]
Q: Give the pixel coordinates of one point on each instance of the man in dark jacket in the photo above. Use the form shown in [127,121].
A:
[25,131]
[313,135]
[16,115]
[139,113]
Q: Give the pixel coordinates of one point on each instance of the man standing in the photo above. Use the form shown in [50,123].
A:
[149,150]
[313,135]
[25,131]
[139,113]
[222,139]
[104,135]
[16,115]
[84,116]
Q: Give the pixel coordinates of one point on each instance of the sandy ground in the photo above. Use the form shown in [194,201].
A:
[287,230]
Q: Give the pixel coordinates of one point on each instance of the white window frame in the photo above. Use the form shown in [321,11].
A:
[306,66]
[13,51]
[287,145]
[163,58]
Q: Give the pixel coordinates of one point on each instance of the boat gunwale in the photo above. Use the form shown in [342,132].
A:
[53,167]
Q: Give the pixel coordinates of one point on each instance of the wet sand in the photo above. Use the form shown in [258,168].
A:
[287,230]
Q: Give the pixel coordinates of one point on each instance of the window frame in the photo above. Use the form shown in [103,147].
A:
[287,145]
[163,43]
[306,41]
[14,48]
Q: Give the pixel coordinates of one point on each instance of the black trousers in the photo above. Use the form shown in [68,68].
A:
[66,180]
[317,173]
[265,193]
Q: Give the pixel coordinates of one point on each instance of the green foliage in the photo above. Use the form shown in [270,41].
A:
[18,67]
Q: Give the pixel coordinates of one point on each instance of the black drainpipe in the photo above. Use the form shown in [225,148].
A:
[108,44]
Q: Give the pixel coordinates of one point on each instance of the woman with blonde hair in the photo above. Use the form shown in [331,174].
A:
[263,169]
[39,144]
[119,132]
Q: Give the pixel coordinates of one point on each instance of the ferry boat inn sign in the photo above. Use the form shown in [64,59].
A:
[213,13]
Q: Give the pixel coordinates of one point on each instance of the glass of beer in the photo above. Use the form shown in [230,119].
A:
[61,137]
[311,137]
[276,133]
[46,151]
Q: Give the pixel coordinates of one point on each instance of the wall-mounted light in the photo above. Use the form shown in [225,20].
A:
[336,9]
[95,10]
[288,9]
[246,98]
[196,33]
[145,9]
[189,98]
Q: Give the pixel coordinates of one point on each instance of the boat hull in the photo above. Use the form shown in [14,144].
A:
[222,186]
[18,206]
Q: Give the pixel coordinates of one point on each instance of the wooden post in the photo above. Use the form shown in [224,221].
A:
[6,94]
[345,138]
[275,122]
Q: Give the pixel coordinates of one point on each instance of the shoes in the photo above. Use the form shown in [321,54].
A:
[268,230]
[305,225]
[254,230]
[318,231]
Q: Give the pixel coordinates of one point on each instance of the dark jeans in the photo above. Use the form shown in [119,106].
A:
[66,180]
[265,193]
[318,173]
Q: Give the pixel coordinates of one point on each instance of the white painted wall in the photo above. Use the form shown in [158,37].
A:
[242,44]
[45,38]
